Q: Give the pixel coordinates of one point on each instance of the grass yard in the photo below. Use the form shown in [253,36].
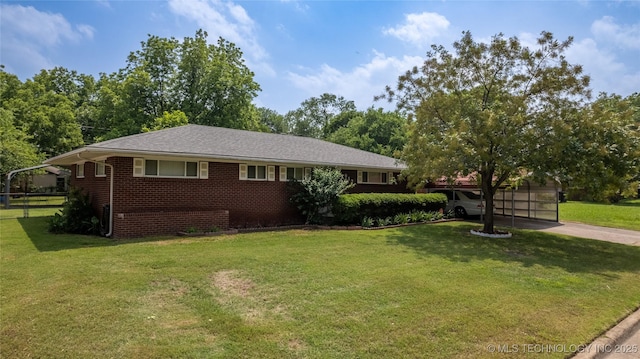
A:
[625,214]
[430,291]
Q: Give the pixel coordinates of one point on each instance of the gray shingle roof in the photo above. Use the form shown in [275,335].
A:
[230,144]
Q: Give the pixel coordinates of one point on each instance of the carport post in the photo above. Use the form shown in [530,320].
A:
[513,209]
[7,184]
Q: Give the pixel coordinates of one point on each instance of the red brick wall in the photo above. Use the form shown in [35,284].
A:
[144,205]
[140,224]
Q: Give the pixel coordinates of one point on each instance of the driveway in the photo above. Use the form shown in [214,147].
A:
[615,235]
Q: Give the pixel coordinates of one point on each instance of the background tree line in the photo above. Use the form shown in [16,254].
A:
[169,82]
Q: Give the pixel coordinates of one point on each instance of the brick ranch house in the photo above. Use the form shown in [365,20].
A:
[167,181]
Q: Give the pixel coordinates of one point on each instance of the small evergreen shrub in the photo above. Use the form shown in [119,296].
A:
[352,208]
[76,216]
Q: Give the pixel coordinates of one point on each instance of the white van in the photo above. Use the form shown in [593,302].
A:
[464,203]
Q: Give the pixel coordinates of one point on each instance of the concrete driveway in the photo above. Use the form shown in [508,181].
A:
[615,235]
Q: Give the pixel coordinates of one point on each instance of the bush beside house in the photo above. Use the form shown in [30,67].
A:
[353,208]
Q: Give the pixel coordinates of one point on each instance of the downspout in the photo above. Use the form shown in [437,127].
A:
[108,234]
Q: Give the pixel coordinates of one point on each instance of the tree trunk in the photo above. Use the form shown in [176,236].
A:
[488,192]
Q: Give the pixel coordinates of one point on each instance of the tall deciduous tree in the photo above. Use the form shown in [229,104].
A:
[15,149]
[494,109]
[46,116]
[314,115]
[603,155]
[374,130]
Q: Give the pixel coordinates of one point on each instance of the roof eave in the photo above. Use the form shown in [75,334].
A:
[93,154]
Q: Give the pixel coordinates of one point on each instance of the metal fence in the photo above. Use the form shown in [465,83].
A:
[33,200]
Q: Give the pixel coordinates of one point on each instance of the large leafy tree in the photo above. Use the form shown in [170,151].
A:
[44,112]
[209,83]
[374,130]
[315,114]
[15,149]
[494,109]
[213,85]
[603,156]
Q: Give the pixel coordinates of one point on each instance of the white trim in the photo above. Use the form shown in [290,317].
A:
[91,153]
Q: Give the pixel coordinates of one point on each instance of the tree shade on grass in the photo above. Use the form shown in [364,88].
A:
[422,291]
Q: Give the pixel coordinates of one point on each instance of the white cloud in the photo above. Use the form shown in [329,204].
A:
[360,84]
[607,73]
[627,36]
[27,23]
[419,29]
[220,18]
[28,35]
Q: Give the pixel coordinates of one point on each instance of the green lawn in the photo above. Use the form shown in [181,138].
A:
[625,214]
[430,291]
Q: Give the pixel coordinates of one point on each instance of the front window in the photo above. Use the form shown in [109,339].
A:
[295,173]
[162,168]
[257,172]
[374,177]
[100,169]
[80,170]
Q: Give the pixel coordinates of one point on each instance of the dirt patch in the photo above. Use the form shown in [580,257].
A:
[231,283]
[233,290]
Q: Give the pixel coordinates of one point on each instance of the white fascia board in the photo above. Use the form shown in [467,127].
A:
[94,154]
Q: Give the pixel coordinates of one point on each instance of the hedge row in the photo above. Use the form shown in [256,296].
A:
[352,208]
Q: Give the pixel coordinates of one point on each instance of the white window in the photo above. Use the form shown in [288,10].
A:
[100,169]
[373,177]
[295,173]
[80,170]
[249,172]
[256,172]
[164,168]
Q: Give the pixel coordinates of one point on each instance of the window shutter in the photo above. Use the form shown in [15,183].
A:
[138,167]
[390,179]
[283,174]
[204,170]
[243,172]
[271,173]
[307,172]
[359,179]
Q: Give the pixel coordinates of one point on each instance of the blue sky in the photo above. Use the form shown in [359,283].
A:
[301,49]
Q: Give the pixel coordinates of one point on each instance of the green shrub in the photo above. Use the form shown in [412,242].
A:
[367,222]
[316,195]
[76,216]
[381,222]
[401,218]
[417,216]
[352,208]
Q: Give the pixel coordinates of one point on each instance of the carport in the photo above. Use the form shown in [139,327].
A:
[528,200]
